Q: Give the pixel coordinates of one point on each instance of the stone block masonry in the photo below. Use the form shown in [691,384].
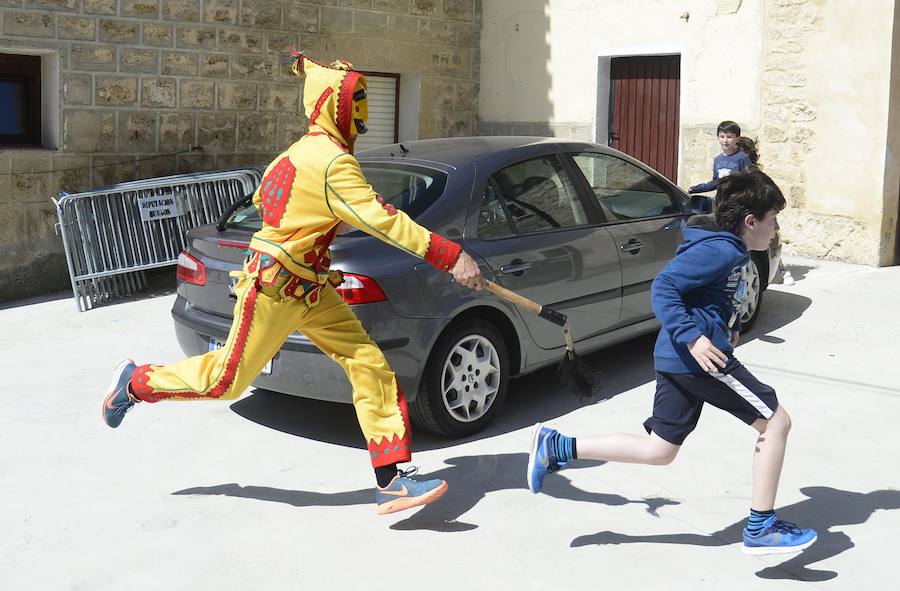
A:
[142,81]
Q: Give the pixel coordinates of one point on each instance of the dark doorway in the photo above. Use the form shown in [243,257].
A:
[643,110]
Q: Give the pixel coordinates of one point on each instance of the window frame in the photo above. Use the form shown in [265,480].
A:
[27,70]
[594,200]
[396,77]
[577,185]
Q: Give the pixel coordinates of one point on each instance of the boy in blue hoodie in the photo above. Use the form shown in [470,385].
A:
[696,298]
[730,161]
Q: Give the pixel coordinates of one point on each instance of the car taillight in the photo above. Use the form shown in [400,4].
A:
[359,289]
[191,270]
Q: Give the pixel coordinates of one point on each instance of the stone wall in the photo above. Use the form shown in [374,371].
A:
[155,87]
[823,120]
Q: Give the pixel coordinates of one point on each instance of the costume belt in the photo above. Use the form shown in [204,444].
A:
[274,280]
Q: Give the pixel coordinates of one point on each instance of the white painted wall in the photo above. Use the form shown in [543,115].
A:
[540,58]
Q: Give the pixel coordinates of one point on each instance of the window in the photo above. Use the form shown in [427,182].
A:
[493,221]
[384,110]
[412,189]
[20,100]
[530,196]
[624,191]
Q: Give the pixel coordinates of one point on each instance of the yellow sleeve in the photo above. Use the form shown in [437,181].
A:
[353,200]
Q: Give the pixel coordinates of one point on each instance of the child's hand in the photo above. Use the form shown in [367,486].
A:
[707,355]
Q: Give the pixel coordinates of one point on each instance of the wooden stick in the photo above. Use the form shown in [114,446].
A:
[511,296]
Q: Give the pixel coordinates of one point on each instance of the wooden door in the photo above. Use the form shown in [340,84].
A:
[644,97]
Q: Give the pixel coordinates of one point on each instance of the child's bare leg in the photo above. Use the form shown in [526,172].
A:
[624,447]
[768,458]
[551,450]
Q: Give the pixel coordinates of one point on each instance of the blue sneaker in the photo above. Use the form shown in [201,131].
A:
[403,492]
[118,401]
[778,537]
[541,459]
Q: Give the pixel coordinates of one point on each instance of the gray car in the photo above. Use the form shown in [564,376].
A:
[574,225]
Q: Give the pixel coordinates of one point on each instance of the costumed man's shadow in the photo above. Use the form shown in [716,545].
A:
[470,478]
[824,509]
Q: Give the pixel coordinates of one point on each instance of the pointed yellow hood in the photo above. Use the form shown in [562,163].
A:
[328,94]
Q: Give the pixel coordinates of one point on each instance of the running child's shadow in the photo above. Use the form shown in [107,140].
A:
[470,478]
[824,509]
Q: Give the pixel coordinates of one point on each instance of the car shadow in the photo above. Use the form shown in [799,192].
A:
[471,479]
[824,509]
[539,396]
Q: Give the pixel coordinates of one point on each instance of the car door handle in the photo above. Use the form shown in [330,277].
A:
[633,246]
[515,268]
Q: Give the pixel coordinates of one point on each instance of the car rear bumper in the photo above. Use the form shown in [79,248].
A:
[300,368]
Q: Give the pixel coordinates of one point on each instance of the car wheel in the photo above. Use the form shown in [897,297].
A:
[465,381]
[757,272]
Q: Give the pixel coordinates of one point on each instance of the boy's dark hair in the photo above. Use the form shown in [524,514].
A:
[744,193]
[729,127]
[748,147]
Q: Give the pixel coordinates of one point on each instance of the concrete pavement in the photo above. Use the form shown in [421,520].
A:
[274,492]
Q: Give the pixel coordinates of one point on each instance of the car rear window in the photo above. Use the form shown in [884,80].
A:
[412,189]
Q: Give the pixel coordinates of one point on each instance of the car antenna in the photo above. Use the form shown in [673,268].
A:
[403,150]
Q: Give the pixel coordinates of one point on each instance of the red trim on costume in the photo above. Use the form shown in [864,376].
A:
[386,206]
[325,239]
[139,381]
[139,386]
[322,98]
[398,449]
[275,190]
[345,103]
[442,253]
[332,138]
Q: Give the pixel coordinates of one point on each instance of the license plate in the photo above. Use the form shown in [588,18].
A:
[215,345]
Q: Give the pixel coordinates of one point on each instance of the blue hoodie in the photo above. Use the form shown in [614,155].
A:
[724,165]
[699,293]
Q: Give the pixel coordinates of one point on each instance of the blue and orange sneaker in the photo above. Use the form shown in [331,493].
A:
[118,400]
[778,537]
[541,459]
[403,492]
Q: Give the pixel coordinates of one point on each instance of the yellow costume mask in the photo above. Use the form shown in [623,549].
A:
[334,97]
[360,108]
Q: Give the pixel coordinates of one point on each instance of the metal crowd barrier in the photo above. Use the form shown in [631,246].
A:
[113,235]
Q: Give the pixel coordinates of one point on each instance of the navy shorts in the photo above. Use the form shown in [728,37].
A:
[680,397]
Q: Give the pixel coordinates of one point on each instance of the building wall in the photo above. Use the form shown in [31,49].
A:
[810,79]
[826,98]
[142,82]
[540,62]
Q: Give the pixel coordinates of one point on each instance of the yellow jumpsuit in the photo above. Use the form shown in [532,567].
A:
[286,284]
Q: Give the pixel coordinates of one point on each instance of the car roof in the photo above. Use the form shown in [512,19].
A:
[457,151]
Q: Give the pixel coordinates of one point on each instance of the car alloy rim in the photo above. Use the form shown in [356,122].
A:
[751,300]
[470,379]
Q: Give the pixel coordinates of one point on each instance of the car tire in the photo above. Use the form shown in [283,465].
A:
[465,381]
[757,282]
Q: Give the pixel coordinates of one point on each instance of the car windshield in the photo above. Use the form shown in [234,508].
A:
[410,188]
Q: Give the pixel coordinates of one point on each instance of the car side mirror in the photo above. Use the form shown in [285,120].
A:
[701,204]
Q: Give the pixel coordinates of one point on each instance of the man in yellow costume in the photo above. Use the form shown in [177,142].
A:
[307,193]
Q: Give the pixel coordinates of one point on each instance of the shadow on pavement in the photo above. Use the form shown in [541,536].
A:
[158,282]
[799,272]
[34,300]
[825,508]
[470,479]
[539,396]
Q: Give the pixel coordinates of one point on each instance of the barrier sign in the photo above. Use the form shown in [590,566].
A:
[158,207]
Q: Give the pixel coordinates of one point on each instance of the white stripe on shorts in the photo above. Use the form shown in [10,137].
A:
[744,392]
